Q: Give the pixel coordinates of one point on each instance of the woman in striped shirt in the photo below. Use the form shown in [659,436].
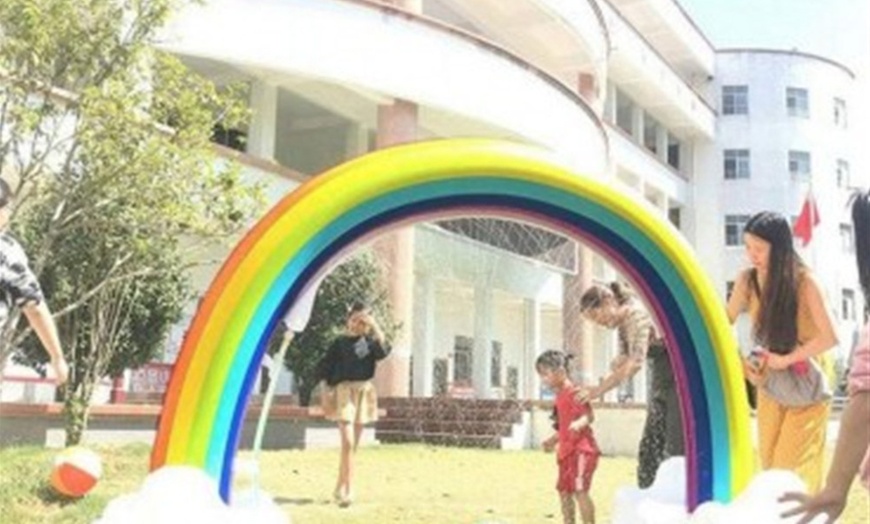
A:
[615,307]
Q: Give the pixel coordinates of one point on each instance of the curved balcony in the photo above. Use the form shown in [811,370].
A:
[564,37]
[394,54]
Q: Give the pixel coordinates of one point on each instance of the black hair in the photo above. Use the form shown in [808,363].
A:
[776,325]
[358,306]
[861,228]
[5,193]
[594,296]
[553,360]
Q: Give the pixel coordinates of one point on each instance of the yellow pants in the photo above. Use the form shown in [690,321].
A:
[793,438]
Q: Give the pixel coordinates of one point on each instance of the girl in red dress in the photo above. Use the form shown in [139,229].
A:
[577,451]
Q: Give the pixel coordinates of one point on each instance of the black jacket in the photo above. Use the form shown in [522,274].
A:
[351,358]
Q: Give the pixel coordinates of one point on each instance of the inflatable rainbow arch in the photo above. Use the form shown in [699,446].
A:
[205,404]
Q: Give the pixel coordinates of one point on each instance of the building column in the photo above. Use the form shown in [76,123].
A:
[482,353]
[609,114]
[637,121]
[531,381]
[357,141]
[587,88]
[264,115]
[397,123]
[576,332]
[424,335]
[662,143]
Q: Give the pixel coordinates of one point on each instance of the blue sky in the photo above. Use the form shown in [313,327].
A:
[838,29]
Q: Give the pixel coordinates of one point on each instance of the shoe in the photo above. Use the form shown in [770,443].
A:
[346,500]
[336,495]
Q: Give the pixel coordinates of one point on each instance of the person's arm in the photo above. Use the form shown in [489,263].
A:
[581,422]
[42,322]
[739,298]
[852,445]
[380,347]
[549,444]
[826,337]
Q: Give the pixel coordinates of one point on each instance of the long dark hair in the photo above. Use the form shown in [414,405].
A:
[861,224]
[594,296]
[776,325]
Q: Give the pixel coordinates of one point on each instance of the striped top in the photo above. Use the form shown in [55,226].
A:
[636,331]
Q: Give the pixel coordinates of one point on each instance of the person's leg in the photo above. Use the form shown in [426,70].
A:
[770,415]
[652,444]
[802,446]
[346,464]
[586,465]
[587,507]
[569,511]
[357,434]
[674,438]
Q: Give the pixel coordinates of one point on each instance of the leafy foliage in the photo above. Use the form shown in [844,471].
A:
[117,187]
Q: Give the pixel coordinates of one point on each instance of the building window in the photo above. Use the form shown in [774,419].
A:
[849,305]
[847,240]
[840,116]
[463,360]
[799,164]
[736,163]
[734,225]
[673,151]
[797,101]
[650,133]
[495,362]
[624,112]
[843,173]
[735,100]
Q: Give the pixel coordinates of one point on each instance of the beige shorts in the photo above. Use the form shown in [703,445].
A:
[354,402]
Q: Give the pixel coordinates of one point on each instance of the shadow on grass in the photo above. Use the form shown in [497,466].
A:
[49,495]
[299,501]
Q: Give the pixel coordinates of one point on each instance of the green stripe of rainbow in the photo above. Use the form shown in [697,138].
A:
[211,382]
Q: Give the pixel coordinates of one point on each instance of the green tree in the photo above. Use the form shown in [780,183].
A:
[359,278]
[118,188]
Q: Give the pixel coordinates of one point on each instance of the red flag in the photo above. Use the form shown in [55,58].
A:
[807,220]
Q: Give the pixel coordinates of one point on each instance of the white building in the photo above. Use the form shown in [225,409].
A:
[628,90]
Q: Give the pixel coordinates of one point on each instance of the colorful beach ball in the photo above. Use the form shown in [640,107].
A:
[76,471]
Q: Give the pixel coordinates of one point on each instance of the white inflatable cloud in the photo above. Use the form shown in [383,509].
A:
[182,495]
[665,501]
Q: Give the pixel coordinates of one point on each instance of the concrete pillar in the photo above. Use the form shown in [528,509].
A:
[532,346]
[357,142]
[637,121]
[609,114]
[424,335]
[482,359]
[662,143]
[397,123]
[264,115]
[576,332]
[587,87]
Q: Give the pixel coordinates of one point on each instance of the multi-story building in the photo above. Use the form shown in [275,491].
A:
[630,91]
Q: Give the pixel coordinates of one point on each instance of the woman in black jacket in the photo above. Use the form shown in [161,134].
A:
[349,397]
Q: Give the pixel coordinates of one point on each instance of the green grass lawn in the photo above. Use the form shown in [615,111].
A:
[408,483]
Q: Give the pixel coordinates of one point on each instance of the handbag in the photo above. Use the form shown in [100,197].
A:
[797,390]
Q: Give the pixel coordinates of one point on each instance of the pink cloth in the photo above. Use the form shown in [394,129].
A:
[859,380]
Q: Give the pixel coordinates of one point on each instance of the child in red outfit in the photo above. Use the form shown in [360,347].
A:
[577,450]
